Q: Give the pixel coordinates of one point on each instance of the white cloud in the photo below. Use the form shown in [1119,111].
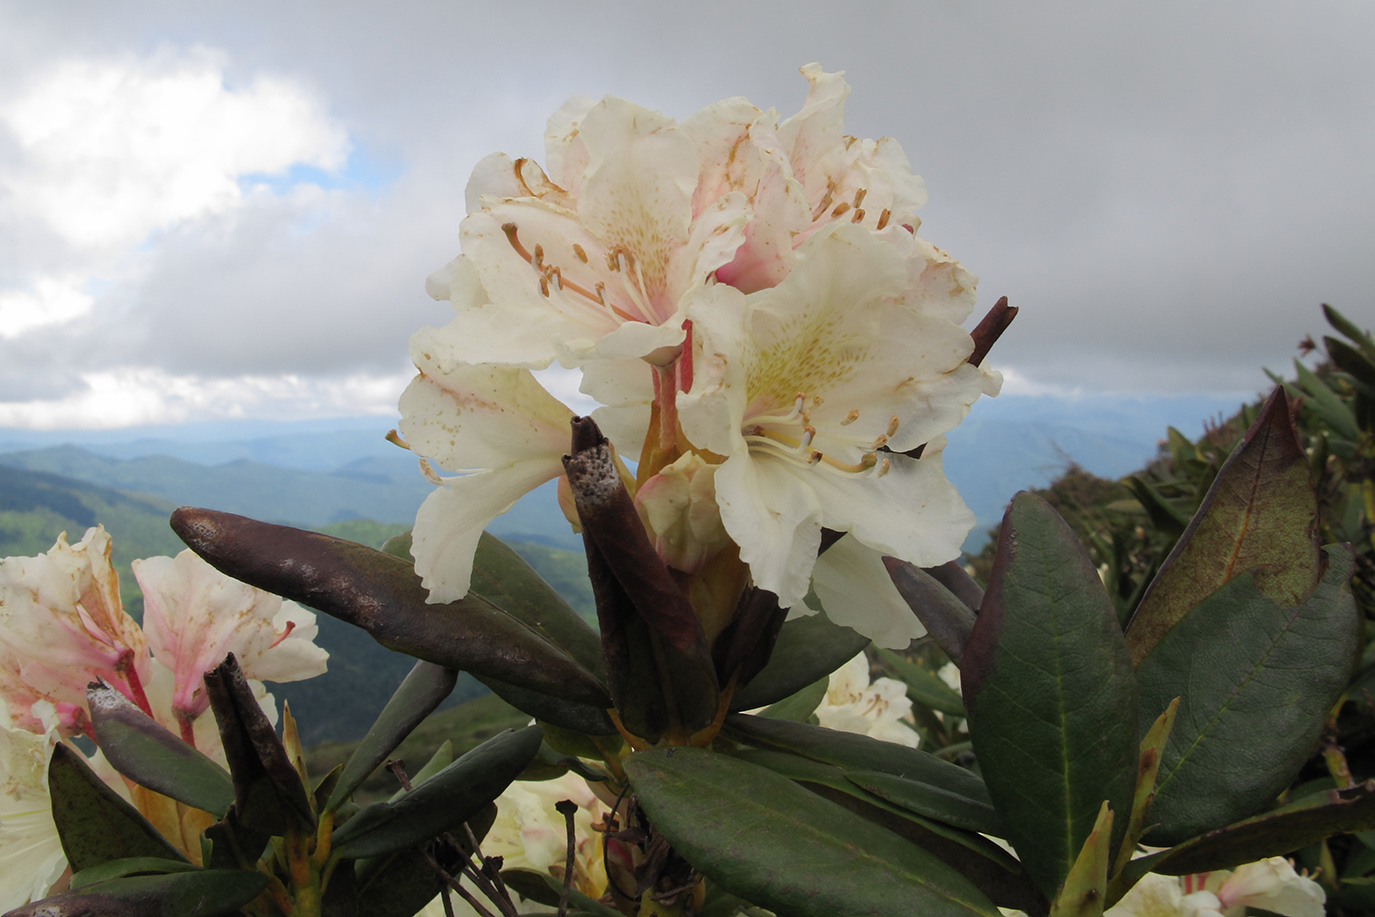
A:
[51,300]
[115,149]
[134,397]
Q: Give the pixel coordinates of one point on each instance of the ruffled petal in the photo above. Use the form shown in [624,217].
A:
[856,591]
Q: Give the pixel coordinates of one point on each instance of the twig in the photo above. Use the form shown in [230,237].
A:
[567,808]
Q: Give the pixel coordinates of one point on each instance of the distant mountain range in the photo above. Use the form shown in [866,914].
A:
[325,471]
[342,476]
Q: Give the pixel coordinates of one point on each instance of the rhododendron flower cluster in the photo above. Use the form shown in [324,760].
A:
[62,626]
[770,340]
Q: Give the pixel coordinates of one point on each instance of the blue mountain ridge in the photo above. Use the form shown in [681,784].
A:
[327,470]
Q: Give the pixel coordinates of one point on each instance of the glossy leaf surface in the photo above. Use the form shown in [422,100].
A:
[1256,680]
[153,757]
[95,823]
[441,803]
[1049,692]
[769,841]
[203,893]
[808,648]
[1260,513]
[422,690]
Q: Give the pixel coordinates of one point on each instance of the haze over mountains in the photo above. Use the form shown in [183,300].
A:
[342,476]
[324,471]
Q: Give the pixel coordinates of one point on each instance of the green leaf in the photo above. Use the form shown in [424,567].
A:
[153,757]
[769,841]
[1261,512]
[396,886]
[95,823]
[382,595]
[129,866]
[1357,364]
[589,719]
[204,893]
[1349,328]
[931,801]
[1049,692]
[422,690]
[947,618]
[981,861]
[442,802]
[808,648]
[502,576]
[1256,680]
[858,753]
[800,706]
[1274,833]
[923,685]
[1327,404]
[544,889]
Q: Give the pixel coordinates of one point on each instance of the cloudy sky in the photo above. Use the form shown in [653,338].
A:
[214,209]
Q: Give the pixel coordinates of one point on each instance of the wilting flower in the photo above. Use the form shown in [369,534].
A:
[31,857]
[62,626]
[69,597]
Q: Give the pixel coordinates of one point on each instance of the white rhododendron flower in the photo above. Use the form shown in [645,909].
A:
[802,385]
[768,337]
[194,616]
[62,625]
[1270,885]
[31,857]
[529,833]
[876,709]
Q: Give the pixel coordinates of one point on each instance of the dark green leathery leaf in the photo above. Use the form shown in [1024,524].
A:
[94,822]
[443,802]
[1260,513]
[768,840]
[422,690]
[1256,681]
[203,892]
[1045,671]
[153,757]
[808,648]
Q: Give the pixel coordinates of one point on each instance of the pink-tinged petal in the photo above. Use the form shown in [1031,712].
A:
[62,624]
[856,591]
[1273,885]
[194,616]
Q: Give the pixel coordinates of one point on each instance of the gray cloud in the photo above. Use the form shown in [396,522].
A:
[1168,190]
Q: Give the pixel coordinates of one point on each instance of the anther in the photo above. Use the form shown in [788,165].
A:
[557,276]
[883,467]
[601,292]
[879,441]
[816,401]
[537,261]
[892,425]
[858,217]
[808,434]
[815,458]
[850,417]
[859,197]
[883,217]
[578,250]
[842,207]
[544,286]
